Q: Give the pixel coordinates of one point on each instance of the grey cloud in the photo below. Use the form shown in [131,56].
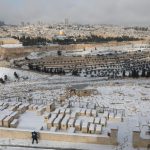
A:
[80,11]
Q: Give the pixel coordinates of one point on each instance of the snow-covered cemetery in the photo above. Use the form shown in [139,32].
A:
[111,62]
[94,98]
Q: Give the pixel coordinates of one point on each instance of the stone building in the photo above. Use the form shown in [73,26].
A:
[8,41]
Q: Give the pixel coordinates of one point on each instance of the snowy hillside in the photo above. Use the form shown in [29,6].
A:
[22,74]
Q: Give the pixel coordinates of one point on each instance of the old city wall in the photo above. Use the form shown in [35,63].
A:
[2,51]
[76,138]
[18,52]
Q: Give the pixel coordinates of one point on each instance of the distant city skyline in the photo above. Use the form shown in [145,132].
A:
[117,12]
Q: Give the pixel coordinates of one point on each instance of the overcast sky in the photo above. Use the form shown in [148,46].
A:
[122,12]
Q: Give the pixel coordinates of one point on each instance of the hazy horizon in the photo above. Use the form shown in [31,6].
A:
[118,12]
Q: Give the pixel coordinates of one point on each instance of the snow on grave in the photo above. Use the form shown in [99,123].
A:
[51,120]
[88,112]
[94,113]
[119,117]
[92,128]
[50,107]
[103,121]
[97,120]
[111,116]
[91,119]
[41,111]
[68,111]
[61,116]
[73,115]
[46,116]
[67,116]
[14,123]
[71,122]
[21,109]
[35,107]
[64,123]
[98,129]
[78,124]
[106,114]
[1,103]
[62,111]
[31,107]
[82,112]
[2,117]
[57,111]
[85,126]
[78,110]
[7,121]
[13,108]
[15,115]
[57,122]
[91,105]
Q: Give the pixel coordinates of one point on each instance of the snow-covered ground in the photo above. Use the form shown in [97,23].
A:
[53,145]
[12,45]
[30,120]
[132,95]
[22,74]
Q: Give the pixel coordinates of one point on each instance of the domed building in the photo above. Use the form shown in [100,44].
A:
[61,32]
[60,36]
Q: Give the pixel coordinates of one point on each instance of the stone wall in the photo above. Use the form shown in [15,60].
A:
[18,52]
[52,136]
[138,141]
[8,41]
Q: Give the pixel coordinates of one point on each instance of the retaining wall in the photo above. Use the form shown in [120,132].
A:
[138,141]
[56,136]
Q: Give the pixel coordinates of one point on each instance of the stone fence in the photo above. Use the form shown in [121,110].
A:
[138,141]
[59,136]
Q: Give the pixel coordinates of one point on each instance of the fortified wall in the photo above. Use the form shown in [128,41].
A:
[8,41]
[18,52]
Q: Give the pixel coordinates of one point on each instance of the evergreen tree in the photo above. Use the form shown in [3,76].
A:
[143,73]
[124,73]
